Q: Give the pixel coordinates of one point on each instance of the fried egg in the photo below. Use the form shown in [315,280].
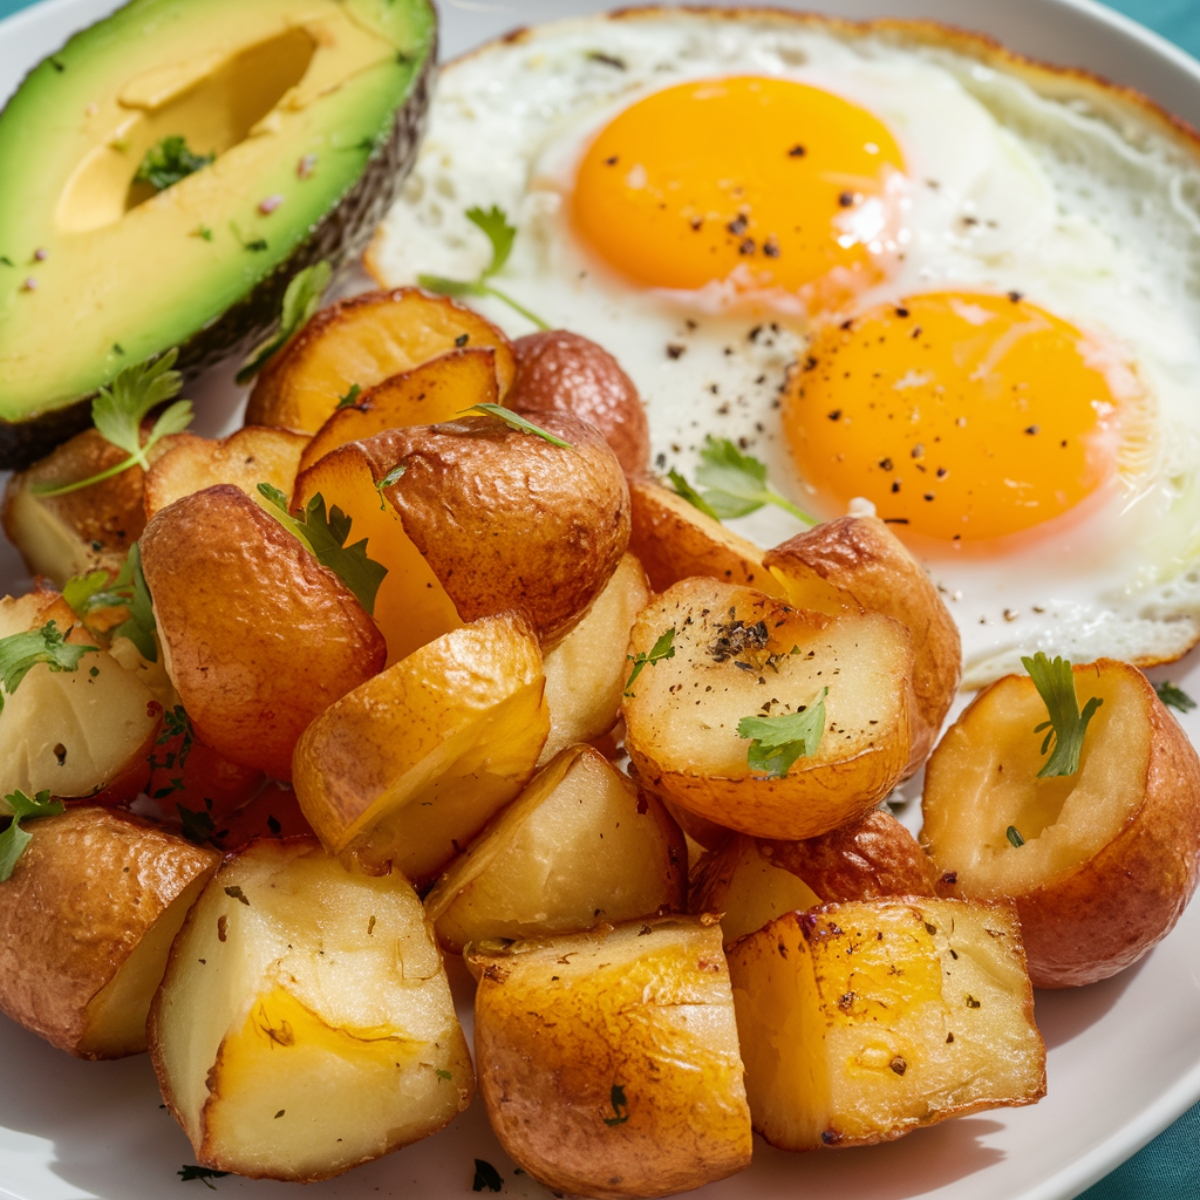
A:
[905,270]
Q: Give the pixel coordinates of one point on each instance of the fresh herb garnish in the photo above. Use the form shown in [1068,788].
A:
[204,1174]
[300,302]
[736,483]
[616,1097]
[351,397]
[486,1176]
[501,234]
[1055,682]
[386,482]
[663,648]
[118,412]
[1174,697]
[515,421]
[87,593]
[21,652]
[1014,836]
[779,741]
[326,537]
[689,493]
[14,839]
[444,1074]
[169,161]
[203,231]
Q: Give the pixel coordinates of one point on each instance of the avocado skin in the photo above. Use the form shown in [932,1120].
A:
[340,237]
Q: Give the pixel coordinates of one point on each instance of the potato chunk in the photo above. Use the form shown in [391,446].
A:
[86,921]
[741,654]
[1110,855]
[609,1060]
[860,1022]
[305,1023]
[577,848]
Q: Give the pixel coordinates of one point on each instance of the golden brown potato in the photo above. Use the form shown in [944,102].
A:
[1110,855]
[861,1022]
[739,654]
[586,671]
[438,390]
[609,1060]
[305,1023]
[273,813]
[258,636]
[363,340]
[558,371]
[245,459]
[578,847]
[86,921]
[411,765]
[674,541]
[857,562]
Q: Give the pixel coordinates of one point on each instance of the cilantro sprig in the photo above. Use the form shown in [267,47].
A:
[778,741]
[88,593]
[494,224]
[735,484]
[663,648]
[21,652]
[326,535]
[515,421]
[118,412]
[14,839]
[1055,682]
[1174,696]
[300,303]
[169,161]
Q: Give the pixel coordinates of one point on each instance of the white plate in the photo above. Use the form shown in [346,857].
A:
[1124,1055]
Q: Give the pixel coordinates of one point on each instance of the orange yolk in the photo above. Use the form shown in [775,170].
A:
[962,417]
[772,182]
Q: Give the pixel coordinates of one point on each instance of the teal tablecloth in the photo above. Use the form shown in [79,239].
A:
[1169,1167]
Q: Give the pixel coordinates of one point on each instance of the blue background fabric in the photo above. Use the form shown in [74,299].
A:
[1169,1167]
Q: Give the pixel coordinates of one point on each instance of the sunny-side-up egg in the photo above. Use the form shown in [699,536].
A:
[892,263]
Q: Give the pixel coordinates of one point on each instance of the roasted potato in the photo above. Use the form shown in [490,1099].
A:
[409,766]
[558,371]
[86,921]
[363,340]
[305,1023]
[609,1060]
[860,1022]
[274,812]
[1109,856]
[578,847]
[739,654]
[258,637]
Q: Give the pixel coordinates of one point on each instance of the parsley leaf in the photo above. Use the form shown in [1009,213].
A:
[326,537]
[79,590]
[169,161]
[300,302]
[386,482]
[14,839]
[119,409]
[1174,697]
[515,421]
[501,234]
[779,741]
[204,1174]
[1014,836]
[616,1097]
[736,483]
[87,593]
[1055,682]
[663,648]
[21,652]
[351,397]
[689,493]
[486,1176]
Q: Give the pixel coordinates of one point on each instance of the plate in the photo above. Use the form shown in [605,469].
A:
[1124,1055]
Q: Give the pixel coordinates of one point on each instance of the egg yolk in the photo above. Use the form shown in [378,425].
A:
[961,417]
[768,182]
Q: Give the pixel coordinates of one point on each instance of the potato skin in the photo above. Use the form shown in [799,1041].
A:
[507,520]
[87,888]
[260,638]
[559,371]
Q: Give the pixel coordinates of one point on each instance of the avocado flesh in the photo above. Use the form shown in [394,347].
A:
[313,109]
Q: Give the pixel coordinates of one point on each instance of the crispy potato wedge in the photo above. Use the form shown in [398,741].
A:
[866,566]
[578,847]
[250,456]
[558,371]
[305,1023]
[586,671]
[409,766]
[609,1060]
[860,1022]
[1111,854]
[258,637]
[86,921]
[364,340]
[435,391]
[674,541]
[738,654]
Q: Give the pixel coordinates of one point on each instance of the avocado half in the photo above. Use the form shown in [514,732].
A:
[311,110]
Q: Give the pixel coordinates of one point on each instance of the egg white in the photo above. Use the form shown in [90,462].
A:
[1006,190]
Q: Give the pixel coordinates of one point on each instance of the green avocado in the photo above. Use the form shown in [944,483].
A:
[170,169]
